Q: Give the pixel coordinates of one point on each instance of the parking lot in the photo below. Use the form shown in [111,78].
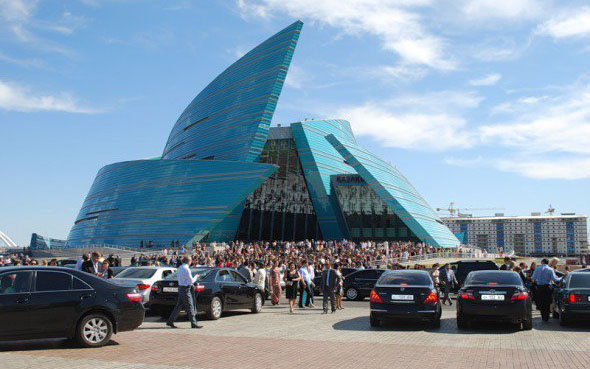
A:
[275,338]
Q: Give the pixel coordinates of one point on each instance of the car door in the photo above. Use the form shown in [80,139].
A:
[366,281]
[229,287]
[55,303]
[15,295]
[245,292]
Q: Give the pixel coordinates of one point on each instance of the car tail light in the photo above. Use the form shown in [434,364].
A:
[575,298]
[467,295]
[134,297]
[520,295]
[432,297]
[155,289]
[142,286]
[375,297]
[199,288]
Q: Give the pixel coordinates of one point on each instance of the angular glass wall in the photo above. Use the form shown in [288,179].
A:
[367,215]
[229,119]
[281,208]
[156,202]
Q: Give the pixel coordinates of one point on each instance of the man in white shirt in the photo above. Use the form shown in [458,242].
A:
[186,292]
[305,285]
[260,278]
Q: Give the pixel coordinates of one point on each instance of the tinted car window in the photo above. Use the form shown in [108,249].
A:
[15,282]
[493,278]
[469,267]
[410,279]
[53,281]
[79,285]
[237,277]
[581,280]
[138,273]
[224,276]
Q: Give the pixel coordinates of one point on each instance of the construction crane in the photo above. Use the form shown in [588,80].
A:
[452,210]
[550,211]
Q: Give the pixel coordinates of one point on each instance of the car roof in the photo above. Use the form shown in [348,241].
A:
[35,267]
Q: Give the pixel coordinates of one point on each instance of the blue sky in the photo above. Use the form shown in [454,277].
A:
[484,103]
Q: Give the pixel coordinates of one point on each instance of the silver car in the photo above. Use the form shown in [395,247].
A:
[142,278]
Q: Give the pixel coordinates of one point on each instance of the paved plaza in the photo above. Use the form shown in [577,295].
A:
[308,339]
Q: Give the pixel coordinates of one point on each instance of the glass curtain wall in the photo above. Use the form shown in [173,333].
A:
[367,216]
[280,209]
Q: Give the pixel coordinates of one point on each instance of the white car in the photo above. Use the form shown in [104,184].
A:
[142,278]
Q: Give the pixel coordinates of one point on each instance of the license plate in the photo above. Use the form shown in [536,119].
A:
[170,289]
[402,297]
[492,297]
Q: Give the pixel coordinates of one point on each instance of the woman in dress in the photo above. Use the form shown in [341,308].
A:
[339,286]
[275,282]
[292,278]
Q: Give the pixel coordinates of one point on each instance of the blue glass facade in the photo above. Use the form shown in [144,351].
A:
[500,235]
[320,161]
[39,242]
[160,201]
[570,237]
[538,237]
[397,192]
[229,119]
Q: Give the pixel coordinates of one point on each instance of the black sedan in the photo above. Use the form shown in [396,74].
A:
[359,284]
[54,302]
[216,289]
[494,296]
[571,298]
[405,295]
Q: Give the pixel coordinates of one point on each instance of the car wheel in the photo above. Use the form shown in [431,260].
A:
[94,330]
[352,294]
[215,308]
[462,323]
[257,304]
[563,320]
[527,324]
[435,322]
[374,321]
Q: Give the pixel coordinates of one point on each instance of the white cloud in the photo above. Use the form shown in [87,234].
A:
[17,98]
[489,80]
[547,168]
[514,10]
[572,23]
[560,124]
[430,122]
[396,23]
[297,77]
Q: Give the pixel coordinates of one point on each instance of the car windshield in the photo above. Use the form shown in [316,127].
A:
[199,273]
[405,279]
[137,273]
[580,280]
[494,278]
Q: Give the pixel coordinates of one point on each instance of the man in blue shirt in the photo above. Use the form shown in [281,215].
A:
[542,277]
[186,292]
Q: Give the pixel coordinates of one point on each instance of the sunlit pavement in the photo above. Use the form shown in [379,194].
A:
[309,339]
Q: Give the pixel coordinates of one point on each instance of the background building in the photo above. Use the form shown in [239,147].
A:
[225,174]
[537,234]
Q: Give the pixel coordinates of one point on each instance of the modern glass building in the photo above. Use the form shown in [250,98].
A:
[225,175]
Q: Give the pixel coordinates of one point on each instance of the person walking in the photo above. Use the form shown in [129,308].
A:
[543,276]
[305,286]
[447,279]
[292,278]
[275,284]
[329,279]
[186,292]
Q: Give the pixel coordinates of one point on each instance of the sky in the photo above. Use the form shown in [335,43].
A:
[484,103]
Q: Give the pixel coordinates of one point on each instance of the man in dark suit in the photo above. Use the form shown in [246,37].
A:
[329,279]
[447,280]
